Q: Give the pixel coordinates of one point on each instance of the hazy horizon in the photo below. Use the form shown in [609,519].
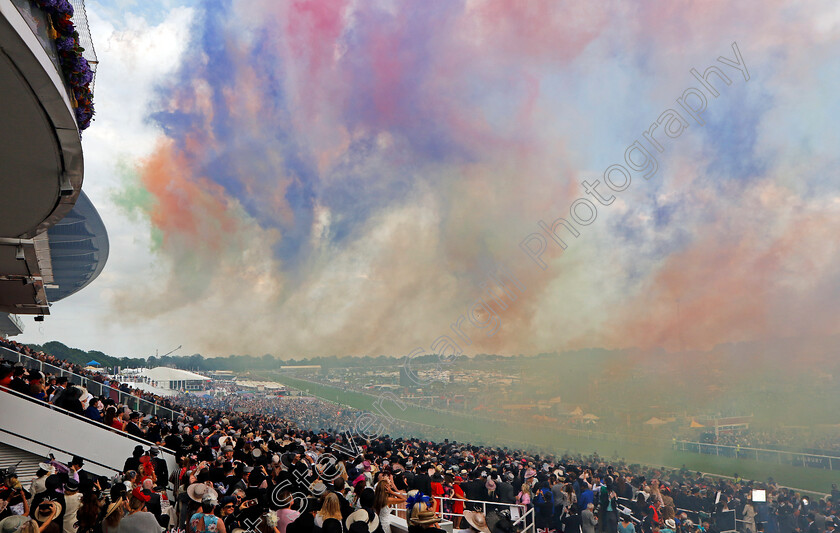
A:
[344,178]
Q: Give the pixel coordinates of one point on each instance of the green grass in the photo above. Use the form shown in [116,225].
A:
[479,431]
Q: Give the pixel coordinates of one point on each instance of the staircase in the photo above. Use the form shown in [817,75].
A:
[27,462]
[32,429]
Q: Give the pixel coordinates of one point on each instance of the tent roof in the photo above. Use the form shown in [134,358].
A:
[162,373]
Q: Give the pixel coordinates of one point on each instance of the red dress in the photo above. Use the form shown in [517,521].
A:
[458,505]
[437,492]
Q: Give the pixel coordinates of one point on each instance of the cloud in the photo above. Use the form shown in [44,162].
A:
[307,178]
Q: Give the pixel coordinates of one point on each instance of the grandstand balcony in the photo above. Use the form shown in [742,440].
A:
[30,430]
[46,82]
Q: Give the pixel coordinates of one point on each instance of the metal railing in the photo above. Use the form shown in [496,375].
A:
[809,460]
[94,387]
[83,418]
[521,516]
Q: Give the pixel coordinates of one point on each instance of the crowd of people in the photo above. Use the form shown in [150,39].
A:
[59,392]
[283,467]
[794,439]
[97,376]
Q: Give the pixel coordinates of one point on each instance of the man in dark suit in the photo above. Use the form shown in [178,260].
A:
[133,462]
[507,494]
[161,470]
[422,480]
[133,427]
[153,504]
[340,487]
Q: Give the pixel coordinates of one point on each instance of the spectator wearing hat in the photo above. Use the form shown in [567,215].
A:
[13,496]
[18,524]
[70,400]
[477,521]
[57,388]
[230,515]
[204,519]
[365,517]
[423,519]
[159,465]
[48,516]
[191,500]
[147,469]
[53,492]
[72,503]
[133,426]
[38,483]
[422,479]
[137,518]
[453,491]
[113,515]
[133,462]
[75,468]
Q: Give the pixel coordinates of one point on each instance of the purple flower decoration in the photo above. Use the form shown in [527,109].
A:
[77,72]
[65,44]
[63,7]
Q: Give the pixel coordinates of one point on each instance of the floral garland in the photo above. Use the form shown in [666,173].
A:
[77,71]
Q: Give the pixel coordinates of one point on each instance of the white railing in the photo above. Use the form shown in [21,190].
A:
[521,516]
[804,459]
[94,387]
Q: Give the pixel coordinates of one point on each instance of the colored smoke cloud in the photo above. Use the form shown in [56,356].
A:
[335,177]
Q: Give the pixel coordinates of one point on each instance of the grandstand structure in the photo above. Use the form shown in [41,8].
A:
[53,243]
[52,240]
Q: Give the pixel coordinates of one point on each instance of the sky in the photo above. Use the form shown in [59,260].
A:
[361,178]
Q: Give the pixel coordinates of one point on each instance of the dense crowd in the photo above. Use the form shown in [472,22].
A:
[283,467]
[306,412]
[795,439]
[45,382]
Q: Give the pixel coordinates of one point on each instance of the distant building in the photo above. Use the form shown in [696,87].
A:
[165,381]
